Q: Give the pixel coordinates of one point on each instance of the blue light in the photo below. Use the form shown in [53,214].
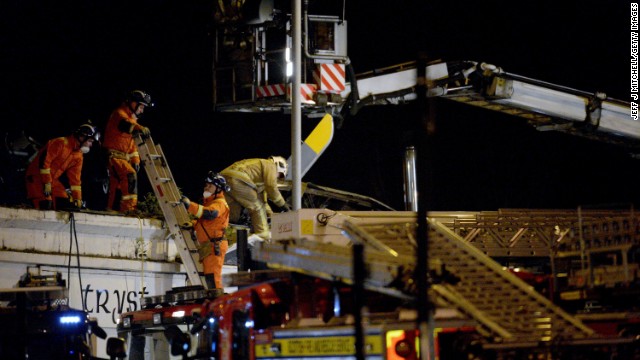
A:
[336,303]
[70,319]
[212,320]
[248,324]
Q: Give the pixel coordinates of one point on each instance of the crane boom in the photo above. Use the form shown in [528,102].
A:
[545,105]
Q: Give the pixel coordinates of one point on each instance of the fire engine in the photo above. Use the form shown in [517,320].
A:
[307,305]
[289,316]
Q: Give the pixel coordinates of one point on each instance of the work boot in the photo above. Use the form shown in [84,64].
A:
[265,235]
[112,212]
[64,204]
[45,205]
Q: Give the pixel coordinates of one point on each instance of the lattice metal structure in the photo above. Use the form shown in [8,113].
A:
[523,233]
[506,309]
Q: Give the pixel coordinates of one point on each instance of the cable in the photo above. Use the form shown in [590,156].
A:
[74,234]
[70,252]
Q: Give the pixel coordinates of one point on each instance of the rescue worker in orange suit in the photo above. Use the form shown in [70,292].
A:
[249,180]
[122,152]
[212,219]
[60,156]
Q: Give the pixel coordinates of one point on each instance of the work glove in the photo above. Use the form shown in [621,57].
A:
[284,208]
[136,167]
[46,189]
[77,203]
[142,129]
[185,201]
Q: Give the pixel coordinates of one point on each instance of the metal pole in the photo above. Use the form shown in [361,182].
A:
[359,274]
[243,255]
[424,132]
[296,111]
[410,182]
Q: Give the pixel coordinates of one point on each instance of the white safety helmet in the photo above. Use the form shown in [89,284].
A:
[281,164]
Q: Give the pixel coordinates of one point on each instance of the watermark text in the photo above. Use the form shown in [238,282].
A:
[634,61]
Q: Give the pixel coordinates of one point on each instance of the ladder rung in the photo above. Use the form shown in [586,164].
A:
[164,184]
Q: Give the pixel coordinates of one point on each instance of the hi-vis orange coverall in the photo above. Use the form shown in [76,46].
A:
[212,220]
[58,156]
[123,154]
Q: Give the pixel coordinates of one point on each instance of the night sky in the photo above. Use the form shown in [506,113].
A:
[64,62]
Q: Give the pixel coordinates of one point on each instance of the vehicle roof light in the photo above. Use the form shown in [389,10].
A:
[70,319]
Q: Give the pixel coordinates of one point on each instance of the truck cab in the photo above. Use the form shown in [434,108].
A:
[290,316]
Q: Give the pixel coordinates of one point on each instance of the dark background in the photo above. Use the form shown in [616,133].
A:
[65,62]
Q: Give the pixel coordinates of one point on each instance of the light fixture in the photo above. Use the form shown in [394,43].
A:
[289,64]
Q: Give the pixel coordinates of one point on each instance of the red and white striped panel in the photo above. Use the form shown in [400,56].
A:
[270,90]
[306,90]
[330,77]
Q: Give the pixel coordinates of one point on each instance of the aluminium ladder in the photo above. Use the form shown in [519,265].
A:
[175,215]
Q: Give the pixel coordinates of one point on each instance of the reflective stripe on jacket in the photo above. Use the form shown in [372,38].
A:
[117,133]
[207,228]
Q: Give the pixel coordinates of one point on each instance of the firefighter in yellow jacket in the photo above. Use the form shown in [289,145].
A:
[249,180]
[63,155]
[122,152]
[212,219]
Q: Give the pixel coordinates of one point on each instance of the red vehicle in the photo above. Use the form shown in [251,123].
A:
[291,317]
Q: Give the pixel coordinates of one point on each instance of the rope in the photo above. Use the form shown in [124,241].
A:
[143,256]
